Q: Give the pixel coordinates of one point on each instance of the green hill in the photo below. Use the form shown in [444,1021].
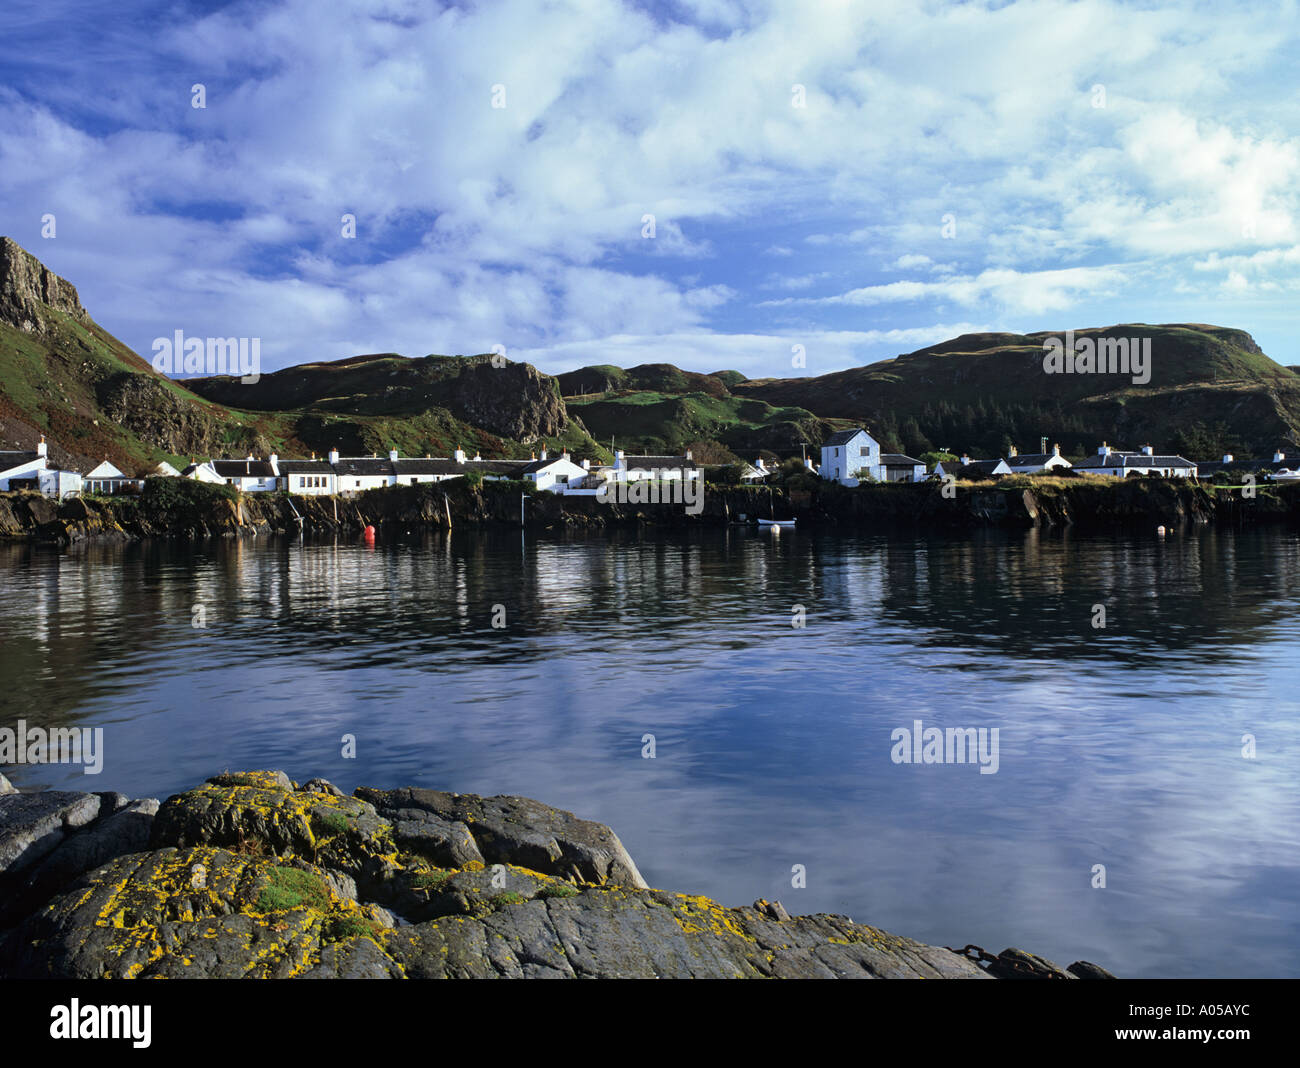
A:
[1210,388]
[65,377]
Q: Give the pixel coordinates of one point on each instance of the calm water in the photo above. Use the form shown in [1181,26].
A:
[1119,746]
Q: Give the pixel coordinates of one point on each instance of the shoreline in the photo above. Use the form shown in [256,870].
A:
[169,508]
[251,875]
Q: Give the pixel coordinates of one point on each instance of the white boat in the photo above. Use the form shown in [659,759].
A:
[1285,474]
[776,524]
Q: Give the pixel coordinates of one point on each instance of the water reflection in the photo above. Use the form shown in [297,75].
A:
[482,663]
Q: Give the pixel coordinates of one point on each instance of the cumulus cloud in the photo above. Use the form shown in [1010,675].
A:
[500,165]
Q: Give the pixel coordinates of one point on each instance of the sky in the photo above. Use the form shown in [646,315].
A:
[778,188]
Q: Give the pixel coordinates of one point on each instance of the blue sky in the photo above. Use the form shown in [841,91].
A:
[1095,162]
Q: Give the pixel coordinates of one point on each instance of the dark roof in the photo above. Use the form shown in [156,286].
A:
[1133,459]
[658,463]
[15,458]
[242,468]
[976,467]
[843,437]
[364,465]
[303,467]
[428,465]
[897,459]
[1025,458]
[515,468]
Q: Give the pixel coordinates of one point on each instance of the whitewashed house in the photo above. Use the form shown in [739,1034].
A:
[851,455]
[105,478]
[848,455]
[22,465]
[628,468]
[306,478]
[202,472]
[965,467]
[555,473]
[1118,464]
[249,475]
[1033,462]
[355,474]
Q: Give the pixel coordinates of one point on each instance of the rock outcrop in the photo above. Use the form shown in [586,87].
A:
[253,876]
[28,287]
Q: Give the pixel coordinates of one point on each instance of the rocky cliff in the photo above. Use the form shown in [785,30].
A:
[254,876]
[28,287]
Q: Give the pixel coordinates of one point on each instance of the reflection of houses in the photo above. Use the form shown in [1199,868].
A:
[1116,463]
[968,468]
[850,455]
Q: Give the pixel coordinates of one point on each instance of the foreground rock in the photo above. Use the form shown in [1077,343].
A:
[252,876]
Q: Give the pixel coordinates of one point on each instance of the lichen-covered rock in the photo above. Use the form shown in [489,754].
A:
[199,912]
[252,876]
[520,831]
[261,811]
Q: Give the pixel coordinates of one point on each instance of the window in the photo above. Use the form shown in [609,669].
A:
[865,450]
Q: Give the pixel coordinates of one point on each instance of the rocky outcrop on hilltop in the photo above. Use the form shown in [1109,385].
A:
[254,876]
[26,284]
[515,400]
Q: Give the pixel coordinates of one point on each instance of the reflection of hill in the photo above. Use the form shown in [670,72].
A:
[1033,595]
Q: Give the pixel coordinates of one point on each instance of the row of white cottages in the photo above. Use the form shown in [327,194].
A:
[850,456]
[335,474]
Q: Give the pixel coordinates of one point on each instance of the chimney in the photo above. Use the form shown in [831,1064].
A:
[1147,450]
[543,456]
[564,455]
[1279,456]
[618,459]
[41,448]
[1056,449]
[759,464]
[459,455]
[334,455]
[392,454]
[274,461]
[1104,450]
[1013,452]
[964,459]
[1227,457]
[586,464]
[688,454]
[478,457]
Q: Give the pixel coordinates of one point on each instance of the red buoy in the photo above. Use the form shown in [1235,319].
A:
[370,533]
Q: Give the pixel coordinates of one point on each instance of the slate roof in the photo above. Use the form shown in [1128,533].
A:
[428,465]
[16,458]
[658,463]
[1033,459]
[1131,459]
[364,465]
[304,467]
[897,459]
[975,467]
[843,437]
[243,468]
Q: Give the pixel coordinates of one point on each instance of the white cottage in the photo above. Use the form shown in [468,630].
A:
[556,473]
[1033,462]
[848,455]
[1147,461]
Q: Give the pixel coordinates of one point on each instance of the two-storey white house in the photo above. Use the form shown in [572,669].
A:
[848,455]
